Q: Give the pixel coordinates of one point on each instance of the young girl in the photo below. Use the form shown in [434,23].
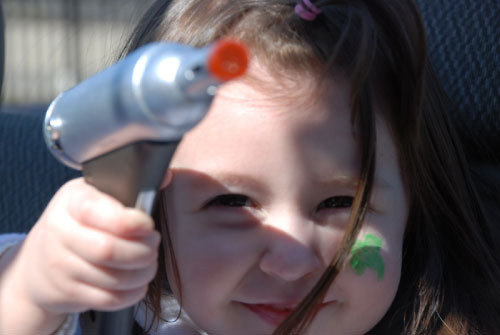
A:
[324,193]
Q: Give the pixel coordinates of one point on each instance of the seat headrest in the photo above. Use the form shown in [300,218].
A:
[464,46]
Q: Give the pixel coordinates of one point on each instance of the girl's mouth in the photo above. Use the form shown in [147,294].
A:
[274,314]
[270,313]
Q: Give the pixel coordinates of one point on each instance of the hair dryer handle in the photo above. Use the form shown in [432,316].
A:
[132,174]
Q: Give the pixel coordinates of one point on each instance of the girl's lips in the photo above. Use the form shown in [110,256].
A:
[271,313]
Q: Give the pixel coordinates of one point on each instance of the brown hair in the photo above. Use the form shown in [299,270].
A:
[450,268]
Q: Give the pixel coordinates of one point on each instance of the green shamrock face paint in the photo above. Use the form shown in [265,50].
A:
[366,254]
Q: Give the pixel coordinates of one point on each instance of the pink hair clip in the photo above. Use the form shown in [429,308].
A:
[308,12]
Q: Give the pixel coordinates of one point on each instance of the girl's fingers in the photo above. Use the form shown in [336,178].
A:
[98,210]
[113,279]
[104,249]
[102,299]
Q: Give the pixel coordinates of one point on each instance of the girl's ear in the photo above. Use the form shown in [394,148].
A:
[166,180]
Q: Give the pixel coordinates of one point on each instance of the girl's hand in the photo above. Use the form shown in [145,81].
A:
[87,251]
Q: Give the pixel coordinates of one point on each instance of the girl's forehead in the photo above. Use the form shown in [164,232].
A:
[285,95]
[248,122]
[250,108]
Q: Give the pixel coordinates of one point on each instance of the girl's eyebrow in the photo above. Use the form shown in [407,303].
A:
[350,182]
[231,179]
[236,179]
[342,181]
[211,180]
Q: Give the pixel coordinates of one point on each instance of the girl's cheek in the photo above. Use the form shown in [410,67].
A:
[377,253]
[371,275]
[366,256]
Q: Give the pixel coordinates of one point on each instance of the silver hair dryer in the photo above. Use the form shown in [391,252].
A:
[121,126]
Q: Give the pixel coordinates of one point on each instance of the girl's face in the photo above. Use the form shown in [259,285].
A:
[258,205]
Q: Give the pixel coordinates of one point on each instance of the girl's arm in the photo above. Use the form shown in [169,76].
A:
[18,314]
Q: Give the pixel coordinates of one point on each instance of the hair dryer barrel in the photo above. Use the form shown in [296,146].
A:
[156,93]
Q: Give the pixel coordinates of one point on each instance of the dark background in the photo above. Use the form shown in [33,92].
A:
[50,45]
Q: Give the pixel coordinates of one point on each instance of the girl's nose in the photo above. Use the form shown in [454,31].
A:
[289,256]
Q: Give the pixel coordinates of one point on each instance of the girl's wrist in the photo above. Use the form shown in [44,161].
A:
[18,313]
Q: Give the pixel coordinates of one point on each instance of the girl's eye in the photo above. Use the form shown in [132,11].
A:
[230,200]
[336,202]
